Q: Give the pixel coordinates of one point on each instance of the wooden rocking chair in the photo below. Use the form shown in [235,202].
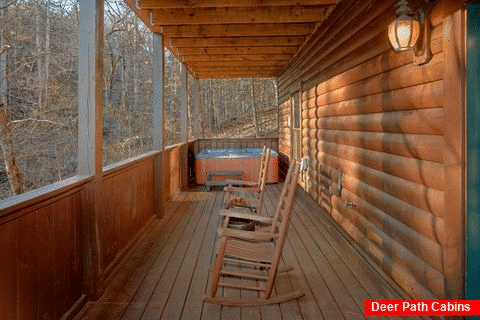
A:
[254,255]
[250,195]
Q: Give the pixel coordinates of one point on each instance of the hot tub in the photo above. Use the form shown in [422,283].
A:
[247,160]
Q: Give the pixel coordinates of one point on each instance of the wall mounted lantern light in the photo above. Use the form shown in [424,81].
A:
[404,33]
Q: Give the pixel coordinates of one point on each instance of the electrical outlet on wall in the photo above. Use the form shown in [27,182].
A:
[304,164]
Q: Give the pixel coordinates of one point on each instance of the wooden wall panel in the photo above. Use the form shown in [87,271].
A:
[375,122]
[46,244]
[40,269]
[174,156]
[454,148]
[8,271]
[128,206]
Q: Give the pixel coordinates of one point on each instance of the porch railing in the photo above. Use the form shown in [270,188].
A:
[57,254]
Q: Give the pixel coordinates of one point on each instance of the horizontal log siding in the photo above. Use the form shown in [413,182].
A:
[372,114]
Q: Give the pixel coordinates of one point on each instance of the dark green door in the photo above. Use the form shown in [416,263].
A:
[473,153]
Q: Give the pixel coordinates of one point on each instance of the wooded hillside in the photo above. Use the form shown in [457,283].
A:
[39,83]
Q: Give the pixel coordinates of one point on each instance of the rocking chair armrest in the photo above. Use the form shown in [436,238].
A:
[232,213]
[241,183]
[245,190]
[246,235]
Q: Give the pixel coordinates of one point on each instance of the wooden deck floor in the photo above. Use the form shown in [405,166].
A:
[166,274]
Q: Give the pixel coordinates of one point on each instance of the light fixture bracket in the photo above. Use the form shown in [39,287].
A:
[137,5]
[422,53]
[150,15]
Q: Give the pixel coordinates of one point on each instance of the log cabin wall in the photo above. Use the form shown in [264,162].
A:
[374,120]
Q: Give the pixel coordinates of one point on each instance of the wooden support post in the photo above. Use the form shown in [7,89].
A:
[454,145]
[158,92]
[184,103]
[90,77]
[158,120]
[184,125]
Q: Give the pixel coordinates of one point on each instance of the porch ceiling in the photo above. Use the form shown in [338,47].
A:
[233,38]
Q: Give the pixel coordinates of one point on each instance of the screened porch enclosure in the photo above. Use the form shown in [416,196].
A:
[380,212]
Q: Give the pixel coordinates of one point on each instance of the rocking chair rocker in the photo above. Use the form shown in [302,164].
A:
[258,253]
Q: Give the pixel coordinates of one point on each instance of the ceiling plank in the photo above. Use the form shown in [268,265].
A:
[154,4]
[234,57]
[235,30]
[228,15]
[233,38]
[237,41]
[236,50]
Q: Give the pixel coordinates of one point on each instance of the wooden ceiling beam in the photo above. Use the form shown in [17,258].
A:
[236,50]
[143,15]
[236,30]
[235,57]
[195,64]
[237,68]
[229,15]
[155,4]
[237,41]
[236,74]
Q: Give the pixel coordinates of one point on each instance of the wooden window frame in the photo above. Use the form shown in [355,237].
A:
[296,126]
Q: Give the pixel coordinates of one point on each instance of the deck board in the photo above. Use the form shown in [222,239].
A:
[166,274]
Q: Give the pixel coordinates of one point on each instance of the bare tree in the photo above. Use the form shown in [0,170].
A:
[254,108]
[15,178]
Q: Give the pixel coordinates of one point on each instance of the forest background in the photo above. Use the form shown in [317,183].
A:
[39,94]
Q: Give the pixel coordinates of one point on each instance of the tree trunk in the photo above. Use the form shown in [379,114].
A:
[197,113]
[47,49]
[201,109]
[38,42]
[254,110]
[3,57]
[13,172]
[135,67]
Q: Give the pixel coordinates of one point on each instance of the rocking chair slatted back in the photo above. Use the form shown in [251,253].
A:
[251,194]
[282,219]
